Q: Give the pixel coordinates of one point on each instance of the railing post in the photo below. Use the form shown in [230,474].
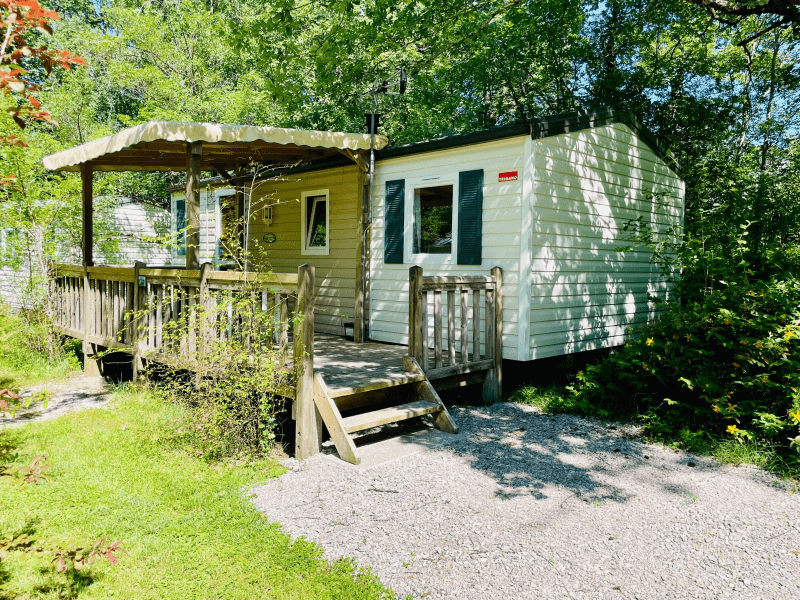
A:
[308,430]
[493,385]
[139,304]
[415,314]
[91,366]
[204,309]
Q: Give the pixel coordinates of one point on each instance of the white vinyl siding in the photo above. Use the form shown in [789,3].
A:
[136,226]
[502,209]
[210,225]
[587,185]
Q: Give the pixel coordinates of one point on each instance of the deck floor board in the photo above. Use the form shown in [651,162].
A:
[346,364]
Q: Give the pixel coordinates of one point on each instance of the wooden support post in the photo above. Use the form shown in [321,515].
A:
[415,314]
[308,436]
[194,151]
[493,385]
[91,365]
[362,252]
[139,335]
[87,200]
[205,333]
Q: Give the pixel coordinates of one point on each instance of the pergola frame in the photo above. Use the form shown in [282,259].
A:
[226,150]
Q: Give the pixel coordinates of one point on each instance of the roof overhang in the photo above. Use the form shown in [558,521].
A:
[162,146]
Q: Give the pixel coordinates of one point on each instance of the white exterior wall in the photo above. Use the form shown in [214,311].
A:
[584,293]
[135,224]
[502,213]
[210,224]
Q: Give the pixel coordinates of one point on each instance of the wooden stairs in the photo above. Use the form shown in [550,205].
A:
[330,403]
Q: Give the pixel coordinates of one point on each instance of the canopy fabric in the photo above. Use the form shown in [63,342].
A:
[161,146]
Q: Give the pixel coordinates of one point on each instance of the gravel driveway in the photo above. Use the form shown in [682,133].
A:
[526,505]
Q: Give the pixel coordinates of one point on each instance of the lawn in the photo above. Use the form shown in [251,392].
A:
[186,525]
[20,364]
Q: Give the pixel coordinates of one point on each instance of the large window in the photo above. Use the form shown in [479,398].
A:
[433,220]
[315,218]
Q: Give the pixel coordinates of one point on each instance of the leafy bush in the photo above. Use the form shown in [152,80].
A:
[231,384]
[723,362]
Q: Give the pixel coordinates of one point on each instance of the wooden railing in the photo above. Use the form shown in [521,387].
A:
[132,308]
[468,336]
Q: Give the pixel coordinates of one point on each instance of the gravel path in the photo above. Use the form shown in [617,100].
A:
[75,393]
[526,505]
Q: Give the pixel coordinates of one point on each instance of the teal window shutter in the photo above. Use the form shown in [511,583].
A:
[470,217]
[394,219]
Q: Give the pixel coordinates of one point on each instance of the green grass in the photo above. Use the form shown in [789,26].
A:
[552,398]
[186,525]
[19,365]
[556,399]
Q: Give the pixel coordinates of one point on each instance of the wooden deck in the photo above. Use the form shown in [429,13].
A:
[128,309]
[349,365]
[346,364]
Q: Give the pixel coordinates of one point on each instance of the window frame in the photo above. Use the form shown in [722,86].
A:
[176,242]
[305,250]
[412,185]
[220,193]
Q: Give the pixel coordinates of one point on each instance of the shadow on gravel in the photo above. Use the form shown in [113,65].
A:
[534,454]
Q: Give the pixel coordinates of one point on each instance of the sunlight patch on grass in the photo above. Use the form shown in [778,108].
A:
[188,529]
[20,367]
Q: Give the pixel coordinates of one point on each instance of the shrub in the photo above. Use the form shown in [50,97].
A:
[724,360]
[231,383]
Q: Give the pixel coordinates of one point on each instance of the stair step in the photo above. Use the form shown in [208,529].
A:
[378,385]
[389,415]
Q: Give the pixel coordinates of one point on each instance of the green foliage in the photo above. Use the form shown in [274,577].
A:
[230,384]
[188,529]
[725,361]
[554,399]
[30,352]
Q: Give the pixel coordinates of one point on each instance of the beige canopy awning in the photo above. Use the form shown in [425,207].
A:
[161,146]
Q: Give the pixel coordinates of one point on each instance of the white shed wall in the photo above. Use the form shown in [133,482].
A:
[584,293]
[136,226]
[502,213]
[210,224]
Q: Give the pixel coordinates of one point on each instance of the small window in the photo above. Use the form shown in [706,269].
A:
[180,226]
[315,208]
[229,227]
[433,220]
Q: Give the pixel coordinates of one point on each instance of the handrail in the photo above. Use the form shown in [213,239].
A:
[190,278]
[473,312]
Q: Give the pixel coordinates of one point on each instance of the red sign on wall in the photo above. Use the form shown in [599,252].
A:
[508,176]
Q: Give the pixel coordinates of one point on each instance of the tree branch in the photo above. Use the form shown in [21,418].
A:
[734,8]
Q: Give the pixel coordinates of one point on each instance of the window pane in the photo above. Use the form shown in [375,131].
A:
[433,220]
[228,242]
[180,226]
[316,209]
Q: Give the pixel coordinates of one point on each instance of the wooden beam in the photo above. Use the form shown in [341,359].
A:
[193,153]
[415,323]
[493,385]
[223,172]
[362,163]
[87,200]
[333,421]
[308,430]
